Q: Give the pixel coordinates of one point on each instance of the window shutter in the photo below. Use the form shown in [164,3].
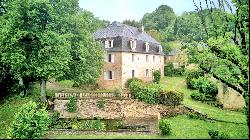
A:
[113,75]
[134,44]
[106,58]
[106,44]
[105,75]
[131,44]
[111,43]
[113,58]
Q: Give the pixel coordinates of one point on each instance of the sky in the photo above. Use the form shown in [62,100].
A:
[119,10]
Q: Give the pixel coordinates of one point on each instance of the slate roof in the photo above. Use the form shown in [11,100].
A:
[118,29]
[122,33]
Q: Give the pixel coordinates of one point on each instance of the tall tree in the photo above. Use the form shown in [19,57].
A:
[225,53]
[159,19]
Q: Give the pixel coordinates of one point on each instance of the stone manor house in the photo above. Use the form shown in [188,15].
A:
[129,52]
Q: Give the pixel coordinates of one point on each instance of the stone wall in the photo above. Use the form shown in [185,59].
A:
[114,109]
[123,67]
[140,65]
[228,97]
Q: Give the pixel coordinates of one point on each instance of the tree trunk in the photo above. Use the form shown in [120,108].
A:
[43,90]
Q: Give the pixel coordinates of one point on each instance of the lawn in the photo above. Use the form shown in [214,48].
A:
[179,84]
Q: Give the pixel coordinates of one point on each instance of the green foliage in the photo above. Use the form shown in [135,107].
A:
[206,87]
[30,122]
[214,134]
[144,92]
[172,98]
[157,76]
[131,80]
[170,71]
[80,124]
[55,117]
[159,19]
[100,104]
[165,127]
[118,92]
[193,74]
[72,104]
[133,23]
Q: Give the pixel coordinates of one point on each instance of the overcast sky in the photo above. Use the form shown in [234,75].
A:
[119,10]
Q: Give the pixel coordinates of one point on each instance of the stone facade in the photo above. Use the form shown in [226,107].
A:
[129,52]
[123,66]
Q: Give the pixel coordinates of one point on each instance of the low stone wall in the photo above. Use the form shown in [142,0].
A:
[115,109]
[84,95]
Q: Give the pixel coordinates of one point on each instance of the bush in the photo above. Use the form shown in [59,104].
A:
[206,87]
[157,76]
[196,95]
[170,97]
[55,117]
[165,127]
[71,105]
[30,122]
[214,134]
[131,80]
[118,92]
[143,92]
[169,70]
[193,75]
[100,104]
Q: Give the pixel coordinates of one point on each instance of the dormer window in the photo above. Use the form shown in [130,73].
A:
[133,44]
[160,48]
[146,46]
[109,44]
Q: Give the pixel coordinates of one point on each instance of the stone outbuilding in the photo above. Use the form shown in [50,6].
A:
[129,52]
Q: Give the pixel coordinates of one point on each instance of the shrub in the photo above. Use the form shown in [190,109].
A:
[214,134]
[169,70]
[170,97]
[118,92]
[196,95]
[71,105]
[193,75]
[206,87]
[100,104]
[131,80]
[55,117]
[143,92]
[165,127]
[30,122]
[157,76]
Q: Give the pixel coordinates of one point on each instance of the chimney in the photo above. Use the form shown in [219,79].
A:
[141,29]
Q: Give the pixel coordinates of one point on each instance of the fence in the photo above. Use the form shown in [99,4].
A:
[82,95]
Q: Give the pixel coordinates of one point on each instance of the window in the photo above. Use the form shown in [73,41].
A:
[110,58]
[133,73]
[160,58]
[147,73]
[160,48]
[109,75]
[146,46]
[109,44]
[153,58]
[133,44]
[146,58]
[133,57]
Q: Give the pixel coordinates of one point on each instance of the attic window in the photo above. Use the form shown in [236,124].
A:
[109,44]
[133,44]
[160,48]
[146,46]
